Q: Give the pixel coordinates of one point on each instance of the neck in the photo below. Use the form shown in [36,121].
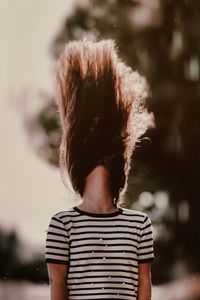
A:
[97,196]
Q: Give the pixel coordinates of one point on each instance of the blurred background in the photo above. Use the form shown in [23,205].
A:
[160,39]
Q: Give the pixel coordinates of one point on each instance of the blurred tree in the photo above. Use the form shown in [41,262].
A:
[9,247]
[34,270]
[161,40]
[12,267]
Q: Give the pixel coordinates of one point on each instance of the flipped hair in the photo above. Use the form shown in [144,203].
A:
[102,112]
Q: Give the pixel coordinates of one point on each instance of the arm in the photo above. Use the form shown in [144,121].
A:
[58,280]
[144,281]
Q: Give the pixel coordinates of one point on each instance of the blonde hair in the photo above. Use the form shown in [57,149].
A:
[102,112]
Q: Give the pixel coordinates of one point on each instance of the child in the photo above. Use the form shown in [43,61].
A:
[99,249]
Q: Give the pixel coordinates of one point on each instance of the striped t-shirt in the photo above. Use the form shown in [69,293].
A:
[102,251]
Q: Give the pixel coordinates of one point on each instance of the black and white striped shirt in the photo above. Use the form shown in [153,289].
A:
[102,251]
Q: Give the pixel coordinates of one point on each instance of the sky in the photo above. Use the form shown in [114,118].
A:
[30,189]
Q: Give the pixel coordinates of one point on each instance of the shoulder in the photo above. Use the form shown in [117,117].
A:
[138,218]
[68,212]
[135,214]
[64,216]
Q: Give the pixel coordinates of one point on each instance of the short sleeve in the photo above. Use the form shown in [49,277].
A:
[57,242]
[146,248]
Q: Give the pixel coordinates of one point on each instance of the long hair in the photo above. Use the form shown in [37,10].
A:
[102,112]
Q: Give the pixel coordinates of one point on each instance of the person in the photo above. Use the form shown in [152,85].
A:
[98,249]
